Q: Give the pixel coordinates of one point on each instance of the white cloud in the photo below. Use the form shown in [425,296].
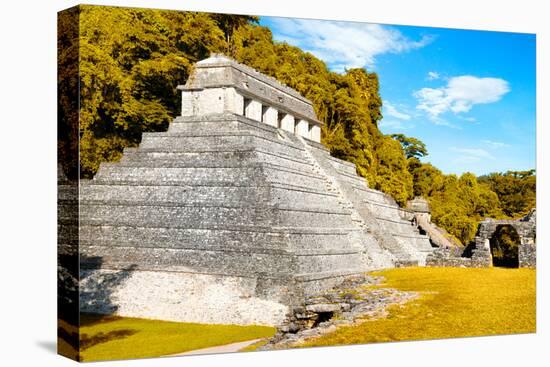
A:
[495,144]
[344,44]
[472,154]
[394,124]
[390,110]
[432,75]
[460,94]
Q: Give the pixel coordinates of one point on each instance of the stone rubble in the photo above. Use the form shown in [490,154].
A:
[357,300]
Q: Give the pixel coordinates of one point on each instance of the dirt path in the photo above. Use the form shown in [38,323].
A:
[227,348]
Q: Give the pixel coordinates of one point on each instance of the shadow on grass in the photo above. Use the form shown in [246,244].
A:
[90,319]
[90,341]
[96,296]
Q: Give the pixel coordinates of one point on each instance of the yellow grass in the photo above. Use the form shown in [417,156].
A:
[454,302]
[104,337]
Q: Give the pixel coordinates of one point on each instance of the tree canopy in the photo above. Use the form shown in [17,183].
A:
[412,147]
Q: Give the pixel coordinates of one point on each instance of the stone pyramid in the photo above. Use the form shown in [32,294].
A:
[235,214]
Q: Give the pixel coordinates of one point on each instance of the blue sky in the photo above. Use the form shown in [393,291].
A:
[469,95]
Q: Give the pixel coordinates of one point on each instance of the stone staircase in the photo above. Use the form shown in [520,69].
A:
[375,256]
[379,213]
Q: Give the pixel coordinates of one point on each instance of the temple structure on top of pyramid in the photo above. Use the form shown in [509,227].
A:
[235,214]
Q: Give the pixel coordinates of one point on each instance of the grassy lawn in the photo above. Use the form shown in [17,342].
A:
[108,337]
[455,302]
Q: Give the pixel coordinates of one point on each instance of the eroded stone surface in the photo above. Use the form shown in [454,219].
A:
[354,301]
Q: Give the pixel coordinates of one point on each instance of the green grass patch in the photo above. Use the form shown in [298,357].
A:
[454,302]
[110,337]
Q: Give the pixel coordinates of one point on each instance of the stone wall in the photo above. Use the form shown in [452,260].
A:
[479,255]
[452,257]
[177,296]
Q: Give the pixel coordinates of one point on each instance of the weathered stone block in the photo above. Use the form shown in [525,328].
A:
[301,128]
[253,109]
[287,123]
[269,116]
[315,133]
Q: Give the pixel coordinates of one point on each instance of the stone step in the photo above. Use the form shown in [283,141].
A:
[176,194]
[189,261]
[351,178]
[294,155]
[212,159]
[345,184]
[383,209]
[395,227]
[218,261]
[342,166]
[199,143]
[230,176]
[184,238]
[276,207]
[117,166]
[420,243]
[173,216]
[309,241]
[374,255]
[324,261]
[229,195]
[231,120]
[217,128]
[194,216]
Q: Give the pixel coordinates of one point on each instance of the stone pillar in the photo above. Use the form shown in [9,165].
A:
[302,128]
[287,123]
[315,133]
[481,254]
[189,100]
[253,109]
[233,101]
[269,116]
[527,253]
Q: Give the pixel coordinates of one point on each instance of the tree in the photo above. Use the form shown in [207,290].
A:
[516,191]
[131,61]
[426,178]
[413,147]
[229,24]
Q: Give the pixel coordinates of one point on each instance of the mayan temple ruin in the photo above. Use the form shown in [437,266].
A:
[234,214]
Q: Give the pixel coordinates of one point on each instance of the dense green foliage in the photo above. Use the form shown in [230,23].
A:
[458,203]
[131,61]
[412,147]
[516,190]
